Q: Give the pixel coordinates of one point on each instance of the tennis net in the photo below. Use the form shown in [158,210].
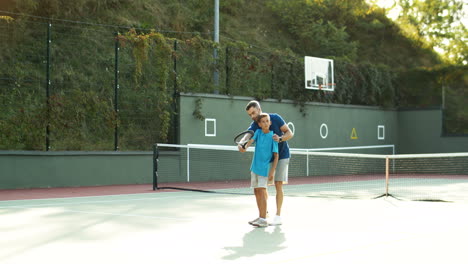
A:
[356,172]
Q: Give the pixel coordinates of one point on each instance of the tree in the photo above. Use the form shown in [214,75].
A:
[438,23]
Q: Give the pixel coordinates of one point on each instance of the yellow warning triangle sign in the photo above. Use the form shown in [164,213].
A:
[354,134]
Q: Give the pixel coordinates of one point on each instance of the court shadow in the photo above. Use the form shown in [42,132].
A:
[258,241]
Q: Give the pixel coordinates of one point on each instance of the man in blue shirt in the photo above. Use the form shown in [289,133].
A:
[282,133]
[262,172]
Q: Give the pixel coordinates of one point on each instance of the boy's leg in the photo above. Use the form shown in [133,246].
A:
[258,199]
[262,208]
[261,197]
[261,201]
[259,183]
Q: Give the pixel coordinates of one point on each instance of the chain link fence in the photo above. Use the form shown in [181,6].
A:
[66,86]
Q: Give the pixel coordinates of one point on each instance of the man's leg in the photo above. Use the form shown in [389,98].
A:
[279,196]
[281,176]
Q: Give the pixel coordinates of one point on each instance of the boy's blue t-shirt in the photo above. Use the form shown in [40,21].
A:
[276,123]
[264,148]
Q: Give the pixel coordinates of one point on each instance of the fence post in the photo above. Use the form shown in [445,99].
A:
[215,51]
[116,92]
[155,166]
[175,97]
[228,91]
[49,25]
[272,69]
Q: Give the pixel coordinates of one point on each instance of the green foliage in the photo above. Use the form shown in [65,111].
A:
[437,23]
[80,120]
[152,55]
[64,8]
[316,35]
[375,64]
[445,86]
[21,120]
[197,112]
[194,57]
[419,87]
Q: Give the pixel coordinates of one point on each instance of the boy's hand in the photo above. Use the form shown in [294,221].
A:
[270,176]
[240,148]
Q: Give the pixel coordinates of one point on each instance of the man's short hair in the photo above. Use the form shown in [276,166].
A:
[262,115]
[253,103]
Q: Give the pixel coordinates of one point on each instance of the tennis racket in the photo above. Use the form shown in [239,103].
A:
[243,138]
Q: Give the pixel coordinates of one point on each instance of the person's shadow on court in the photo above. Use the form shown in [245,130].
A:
[258,241]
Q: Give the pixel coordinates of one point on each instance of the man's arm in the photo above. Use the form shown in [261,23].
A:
[287,134]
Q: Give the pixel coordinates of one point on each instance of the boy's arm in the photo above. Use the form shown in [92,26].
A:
[271,173]
[248,144]
[253,127]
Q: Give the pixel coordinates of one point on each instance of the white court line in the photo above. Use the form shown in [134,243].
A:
[115,214]
[81,197]
[90,202]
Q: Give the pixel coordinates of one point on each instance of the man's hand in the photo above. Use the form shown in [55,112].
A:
[276,138]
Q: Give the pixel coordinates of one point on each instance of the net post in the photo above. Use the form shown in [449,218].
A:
[155,166]
[387,167]
[188,163]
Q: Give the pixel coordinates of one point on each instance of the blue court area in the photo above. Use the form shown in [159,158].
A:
[183,227]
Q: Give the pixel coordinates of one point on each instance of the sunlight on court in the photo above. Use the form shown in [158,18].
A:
[181,227]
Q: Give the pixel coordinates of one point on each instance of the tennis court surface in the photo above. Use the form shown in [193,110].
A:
[183,227]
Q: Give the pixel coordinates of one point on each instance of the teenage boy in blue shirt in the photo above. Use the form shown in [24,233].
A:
[262,171]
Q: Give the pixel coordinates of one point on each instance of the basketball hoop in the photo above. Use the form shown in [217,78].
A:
[327,87]
[319,74]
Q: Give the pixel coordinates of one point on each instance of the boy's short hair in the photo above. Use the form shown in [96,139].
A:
[252,103]
[262,115]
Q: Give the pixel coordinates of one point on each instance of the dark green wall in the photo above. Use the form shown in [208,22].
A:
[420,131]
[231,118]
[28,169]
[411,131]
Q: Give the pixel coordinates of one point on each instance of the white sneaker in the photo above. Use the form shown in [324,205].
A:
[253,221]
[261,222]
[276,220]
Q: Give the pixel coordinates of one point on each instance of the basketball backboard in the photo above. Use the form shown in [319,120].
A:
[319,74]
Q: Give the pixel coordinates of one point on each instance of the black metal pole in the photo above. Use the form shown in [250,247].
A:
[228,92]
[116,93]
[155,166]
[215,51]
[175,96]
[272,80]
[49,25]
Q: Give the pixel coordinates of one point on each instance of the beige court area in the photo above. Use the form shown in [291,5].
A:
[184,227]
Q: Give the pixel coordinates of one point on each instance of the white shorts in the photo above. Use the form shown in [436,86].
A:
[257,181]
[281,173]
